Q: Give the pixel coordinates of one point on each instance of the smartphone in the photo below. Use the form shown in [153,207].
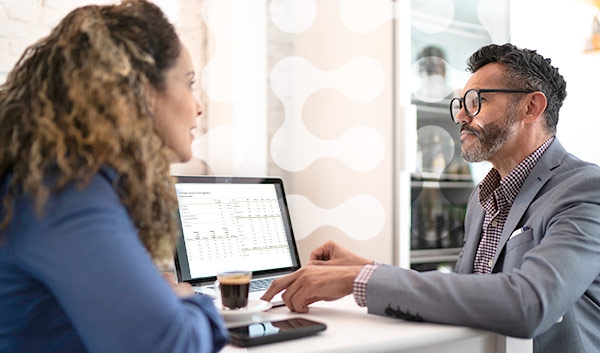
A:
[258,333]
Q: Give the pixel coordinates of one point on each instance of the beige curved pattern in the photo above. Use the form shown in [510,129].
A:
[293,16]
[169,7]
[218,74]
[432,16]
[293,146]
[360,217]
[221,148]
[221,62]
[235,88]
[364,16]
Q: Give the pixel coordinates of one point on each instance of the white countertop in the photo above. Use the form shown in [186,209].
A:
[351,329]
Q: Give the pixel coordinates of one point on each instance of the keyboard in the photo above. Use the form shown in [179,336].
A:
[260,284]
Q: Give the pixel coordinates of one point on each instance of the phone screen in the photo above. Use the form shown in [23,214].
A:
[274,331]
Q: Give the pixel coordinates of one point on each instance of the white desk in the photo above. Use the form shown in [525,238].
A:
[351,329]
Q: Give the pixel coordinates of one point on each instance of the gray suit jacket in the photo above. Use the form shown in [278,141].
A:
[546,281]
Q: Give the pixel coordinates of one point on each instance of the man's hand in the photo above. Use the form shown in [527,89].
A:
[313,283]
[333,254]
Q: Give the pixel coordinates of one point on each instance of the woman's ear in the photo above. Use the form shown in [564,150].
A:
[536,106]
[151,97]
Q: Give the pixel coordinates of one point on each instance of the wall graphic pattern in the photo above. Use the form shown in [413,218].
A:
[330,116]
[331,120]
[329,111]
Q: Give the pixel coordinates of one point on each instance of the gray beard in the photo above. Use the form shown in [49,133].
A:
[490,140]
[483,150]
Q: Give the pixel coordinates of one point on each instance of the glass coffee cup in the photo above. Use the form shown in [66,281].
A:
[234,287]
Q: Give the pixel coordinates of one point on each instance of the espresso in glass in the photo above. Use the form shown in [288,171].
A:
[234,286]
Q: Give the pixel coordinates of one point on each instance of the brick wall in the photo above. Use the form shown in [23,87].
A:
[22,22]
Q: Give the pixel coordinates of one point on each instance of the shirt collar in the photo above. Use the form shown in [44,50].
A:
[511,184]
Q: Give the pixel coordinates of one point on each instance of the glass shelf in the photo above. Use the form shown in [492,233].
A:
[439,177]
[434,255]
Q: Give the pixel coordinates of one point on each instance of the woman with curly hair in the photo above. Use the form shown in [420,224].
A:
[90,119]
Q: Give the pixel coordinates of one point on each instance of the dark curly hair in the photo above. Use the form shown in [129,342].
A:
[77,100]
[526,69]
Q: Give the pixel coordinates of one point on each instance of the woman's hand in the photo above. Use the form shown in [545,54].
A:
[182,290]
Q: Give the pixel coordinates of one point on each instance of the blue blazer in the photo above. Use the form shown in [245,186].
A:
[546,273]
[78,279]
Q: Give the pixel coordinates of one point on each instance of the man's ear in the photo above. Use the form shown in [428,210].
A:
[536,106]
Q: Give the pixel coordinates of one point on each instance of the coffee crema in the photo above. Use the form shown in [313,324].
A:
[241,279]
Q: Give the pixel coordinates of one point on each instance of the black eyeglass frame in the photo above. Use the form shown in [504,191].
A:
[479,91]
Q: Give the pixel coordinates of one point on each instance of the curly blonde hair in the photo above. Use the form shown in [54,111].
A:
[77,100]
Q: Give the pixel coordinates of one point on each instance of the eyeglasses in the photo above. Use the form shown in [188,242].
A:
[472,101]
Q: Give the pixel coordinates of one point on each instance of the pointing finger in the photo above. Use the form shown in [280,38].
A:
[278,285]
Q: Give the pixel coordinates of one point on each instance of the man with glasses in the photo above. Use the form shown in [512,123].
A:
[530,264]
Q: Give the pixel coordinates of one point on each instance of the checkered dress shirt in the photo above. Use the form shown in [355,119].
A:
[496,196]
[359,286]
[492,188]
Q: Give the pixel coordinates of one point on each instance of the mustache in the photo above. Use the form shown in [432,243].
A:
[472,130]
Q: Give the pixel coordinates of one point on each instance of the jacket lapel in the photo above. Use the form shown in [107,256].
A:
[541,173]
[473,230]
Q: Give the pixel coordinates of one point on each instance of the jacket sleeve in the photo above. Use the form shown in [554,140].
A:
[548,271]
[85,250]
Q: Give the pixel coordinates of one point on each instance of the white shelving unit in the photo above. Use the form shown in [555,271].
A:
[432,195]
